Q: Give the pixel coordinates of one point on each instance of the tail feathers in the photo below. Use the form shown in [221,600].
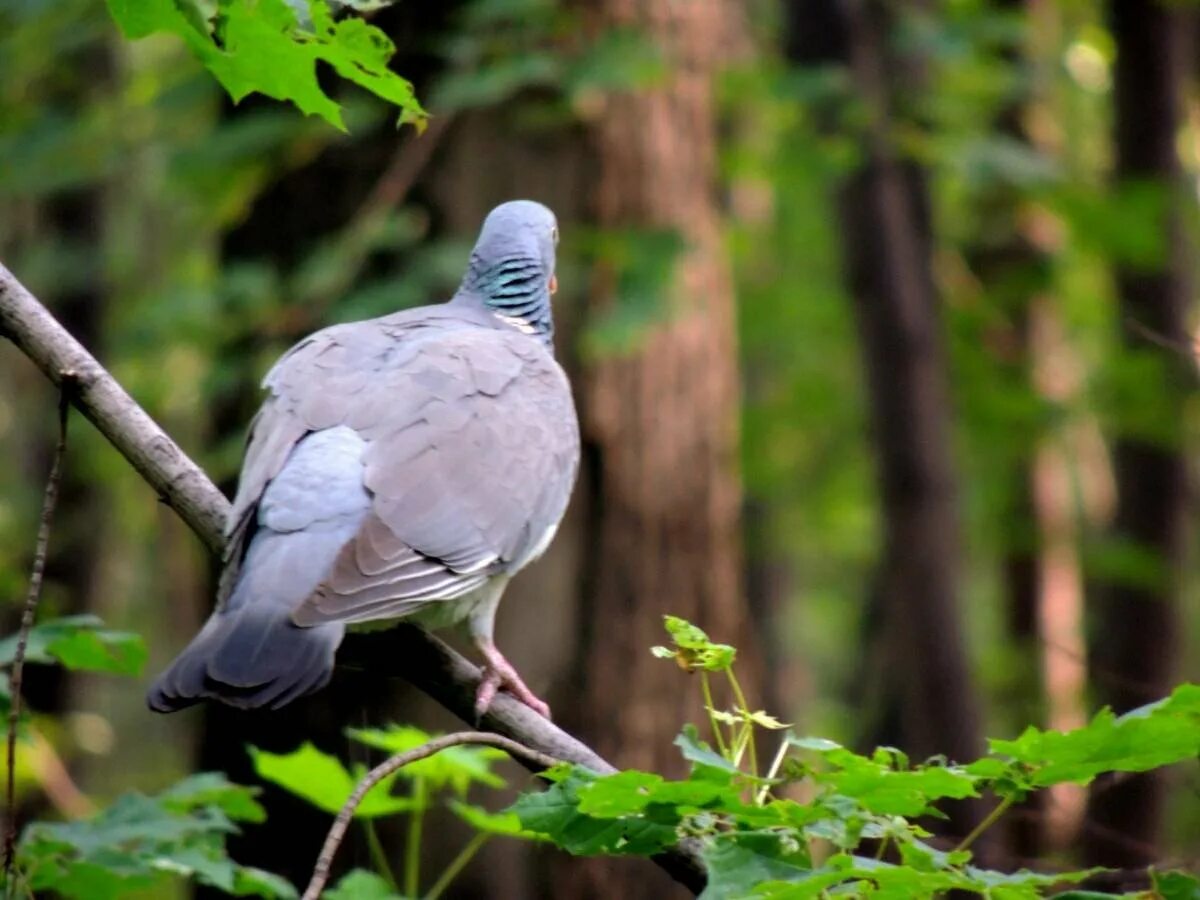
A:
[248,659]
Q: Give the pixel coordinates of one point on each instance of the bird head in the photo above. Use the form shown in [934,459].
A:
[512,266]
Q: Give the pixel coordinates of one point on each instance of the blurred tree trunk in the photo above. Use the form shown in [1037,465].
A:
[1012,273]
[887,246]
[1133,646]
[1007,267]
[660,425]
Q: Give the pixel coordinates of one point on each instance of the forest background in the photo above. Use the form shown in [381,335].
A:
[878,317]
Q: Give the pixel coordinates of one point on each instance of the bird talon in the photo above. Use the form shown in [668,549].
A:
[488,685]
[497,677]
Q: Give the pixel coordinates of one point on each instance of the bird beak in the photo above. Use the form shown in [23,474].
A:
[553,283]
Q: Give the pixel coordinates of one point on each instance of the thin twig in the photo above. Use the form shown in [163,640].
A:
[457,865]
[992,818]
[745,709]
[402,172]
[706,688]
[776,764]
[49,501]
[1182,348]
[337,831]
[412,840]
[388,192]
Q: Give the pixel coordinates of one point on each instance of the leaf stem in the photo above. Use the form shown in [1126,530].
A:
[776,764]
[745,710]
[457,865]
[412,845]
[882,848]
[712,719]
[990,820]
[378,856]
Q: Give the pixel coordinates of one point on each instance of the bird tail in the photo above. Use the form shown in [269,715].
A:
[250,657]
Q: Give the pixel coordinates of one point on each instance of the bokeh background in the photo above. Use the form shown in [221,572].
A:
[878,316]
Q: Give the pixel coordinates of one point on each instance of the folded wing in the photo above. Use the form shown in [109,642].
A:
[472,448]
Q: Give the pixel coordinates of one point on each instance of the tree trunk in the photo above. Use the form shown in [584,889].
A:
[887,247]
[660,424]
[1133,645]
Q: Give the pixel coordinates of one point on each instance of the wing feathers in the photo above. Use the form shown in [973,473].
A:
[471,448]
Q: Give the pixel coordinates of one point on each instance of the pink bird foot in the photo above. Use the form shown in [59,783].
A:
[498,673]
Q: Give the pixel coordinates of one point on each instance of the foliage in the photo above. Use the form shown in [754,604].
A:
[361,885]
[858,829]
[264,46]
[138,842]
[81,643]
[324,781]
[141,842]
[136,140]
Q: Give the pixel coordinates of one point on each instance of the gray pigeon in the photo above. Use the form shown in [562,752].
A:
[402,467]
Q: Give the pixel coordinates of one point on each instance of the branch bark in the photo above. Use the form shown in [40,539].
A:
[427,662]
[179,482]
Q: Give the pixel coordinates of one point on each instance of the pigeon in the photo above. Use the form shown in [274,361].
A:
[404,467]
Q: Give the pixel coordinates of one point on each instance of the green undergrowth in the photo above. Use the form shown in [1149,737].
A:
[770,813]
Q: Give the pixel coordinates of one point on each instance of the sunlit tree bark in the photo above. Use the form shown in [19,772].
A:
[660,422]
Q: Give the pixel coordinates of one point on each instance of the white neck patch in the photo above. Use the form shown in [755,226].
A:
[522,325]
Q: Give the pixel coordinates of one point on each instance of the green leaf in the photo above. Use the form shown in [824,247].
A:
[697,751]
[214,789]
[1156,735]
[739,863]
[622,794]
[555,813]
[140,842]
[455,767]
[324,782]
[249,881]
[80,643]
[633,793]
[140,18]
[504,824]
[359,884]
[1176,885]
[259,46]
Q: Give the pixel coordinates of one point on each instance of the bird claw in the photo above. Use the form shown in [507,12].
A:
[499,673]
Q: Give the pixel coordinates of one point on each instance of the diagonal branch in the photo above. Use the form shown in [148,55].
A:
[427,662]
[158,459]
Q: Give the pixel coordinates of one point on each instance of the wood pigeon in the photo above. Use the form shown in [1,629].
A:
[401,467]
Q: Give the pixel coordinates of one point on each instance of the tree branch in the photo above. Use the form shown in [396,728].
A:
[394,763]
[158,459]
[425,661]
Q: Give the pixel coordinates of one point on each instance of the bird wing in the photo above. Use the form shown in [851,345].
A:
[472,449]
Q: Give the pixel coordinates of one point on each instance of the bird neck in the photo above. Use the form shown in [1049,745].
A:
[516,290]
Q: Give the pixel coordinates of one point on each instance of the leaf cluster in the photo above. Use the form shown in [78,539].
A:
[858,829]
[143,842]
[271,47]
